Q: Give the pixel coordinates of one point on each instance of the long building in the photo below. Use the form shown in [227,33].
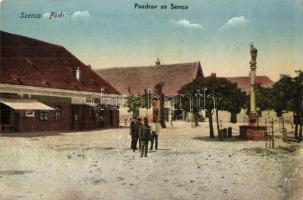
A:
[43,87]
[243,82]
[135,80]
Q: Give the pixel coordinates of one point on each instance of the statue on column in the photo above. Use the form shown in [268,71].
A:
[158,105]
[253,131]
[253,54]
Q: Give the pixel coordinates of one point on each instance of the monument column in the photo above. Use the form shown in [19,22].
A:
[253,131]
[253,67]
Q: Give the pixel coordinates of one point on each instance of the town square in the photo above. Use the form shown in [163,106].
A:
[179,100]
[187,165]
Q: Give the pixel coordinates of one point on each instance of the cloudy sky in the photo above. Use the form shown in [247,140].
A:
[215,32]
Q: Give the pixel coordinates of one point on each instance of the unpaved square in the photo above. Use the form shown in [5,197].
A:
[100,165]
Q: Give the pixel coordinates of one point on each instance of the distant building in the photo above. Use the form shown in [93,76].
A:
[43,87]
[243,82]
[134,80]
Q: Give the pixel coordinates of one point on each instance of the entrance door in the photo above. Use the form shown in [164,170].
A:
[76,117]
[6,125]
[99,119]
[5,114]
[111,116]
[17,118]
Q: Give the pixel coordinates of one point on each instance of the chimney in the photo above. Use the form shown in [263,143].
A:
[158,62]
[213,75]
[78,72]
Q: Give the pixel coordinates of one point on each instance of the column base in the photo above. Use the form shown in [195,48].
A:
[256,133]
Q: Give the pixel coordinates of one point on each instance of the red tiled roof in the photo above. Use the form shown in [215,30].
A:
[174,76]
[243,82]
[31,62]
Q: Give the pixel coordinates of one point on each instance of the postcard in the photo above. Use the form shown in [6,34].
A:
[151,99]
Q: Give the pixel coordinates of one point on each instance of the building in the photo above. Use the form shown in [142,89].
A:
[135,80]
[243,82]
[43,87]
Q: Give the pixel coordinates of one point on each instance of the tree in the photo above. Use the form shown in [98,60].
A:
[228,96]
[146,97]
[186,99]
[288,96]
[158,104]
[221,95]
[132,104]
[135,102]
[237,102]
[264,98]
[298,104]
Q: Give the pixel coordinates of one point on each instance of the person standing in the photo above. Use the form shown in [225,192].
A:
[138,127]
[155,135]
[144,134]
[133,132]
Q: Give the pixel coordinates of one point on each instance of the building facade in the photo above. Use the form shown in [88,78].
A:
[136,80]
[43,87]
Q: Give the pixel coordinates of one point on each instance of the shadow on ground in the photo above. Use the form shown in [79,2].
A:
[32,134]
[15,172]
[216,139]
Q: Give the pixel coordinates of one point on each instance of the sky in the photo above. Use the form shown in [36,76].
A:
[217,33]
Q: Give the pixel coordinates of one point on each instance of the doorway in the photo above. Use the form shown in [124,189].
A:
[111,116]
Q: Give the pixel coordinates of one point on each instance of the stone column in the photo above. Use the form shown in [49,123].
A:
[253,67]
[252,91]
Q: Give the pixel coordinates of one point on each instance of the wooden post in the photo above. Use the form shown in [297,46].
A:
[244,116]
[284,134]
[192,118]
[266,133]
[272,134]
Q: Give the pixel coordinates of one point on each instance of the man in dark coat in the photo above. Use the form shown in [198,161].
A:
[144,134]
[133,133]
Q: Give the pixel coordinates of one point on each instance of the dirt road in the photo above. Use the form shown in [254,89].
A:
[100,165]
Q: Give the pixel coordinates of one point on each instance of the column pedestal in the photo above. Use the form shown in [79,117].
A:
[253,131]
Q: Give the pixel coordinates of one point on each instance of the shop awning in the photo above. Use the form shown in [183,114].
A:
[25,104]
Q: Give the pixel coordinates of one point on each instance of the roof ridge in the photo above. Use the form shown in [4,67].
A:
[149,66]
[55,80]
[30,38]
[244,76]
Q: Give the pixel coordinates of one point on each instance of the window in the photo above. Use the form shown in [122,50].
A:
[43,115]
[29,113]
[58,113]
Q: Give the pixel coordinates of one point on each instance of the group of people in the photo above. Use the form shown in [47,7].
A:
[142,134]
